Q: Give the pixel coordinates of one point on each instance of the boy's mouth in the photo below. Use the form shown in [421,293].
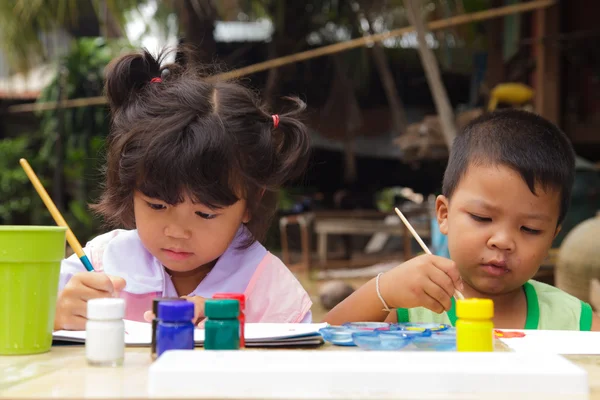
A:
[495,267]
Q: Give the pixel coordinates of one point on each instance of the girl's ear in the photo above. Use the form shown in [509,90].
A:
[246,217]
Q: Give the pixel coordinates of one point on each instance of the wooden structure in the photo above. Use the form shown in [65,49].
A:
[324,224]
[424,140]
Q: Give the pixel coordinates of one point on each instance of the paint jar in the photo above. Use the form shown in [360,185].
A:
[242,317]
[222,327]
[174,330]
[155,321]
[474,326]
[105,332]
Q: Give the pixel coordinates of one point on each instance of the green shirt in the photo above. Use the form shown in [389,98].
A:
[547,308]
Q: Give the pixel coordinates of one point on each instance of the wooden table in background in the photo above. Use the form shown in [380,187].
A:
[347,222]
[64,373]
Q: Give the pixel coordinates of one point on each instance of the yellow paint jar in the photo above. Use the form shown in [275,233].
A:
[474,325]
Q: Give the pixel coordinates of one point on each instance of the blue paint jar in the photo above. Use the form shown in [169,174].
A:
[174,330]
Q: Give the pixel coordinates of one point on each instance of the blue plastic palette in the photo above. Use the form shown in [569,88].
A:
[337,335]
[420,327]
[366,326]
[383,336]
[435,342]
[392,340]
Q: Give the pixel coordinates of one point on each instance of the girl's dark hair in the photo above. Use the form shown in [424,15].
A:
[184,134]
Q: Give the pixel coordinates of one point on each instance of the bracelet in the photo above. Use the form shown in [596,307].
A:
[385,306]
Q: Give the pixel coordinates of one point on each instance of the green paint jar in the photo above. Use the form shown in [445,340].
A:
[30,259]
[222,326]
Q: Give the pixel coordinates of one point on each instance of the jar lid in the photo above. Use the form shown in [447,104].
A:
[222,308]
[105,309]
[175,311]
[159,299]
[235,296]
[475,308]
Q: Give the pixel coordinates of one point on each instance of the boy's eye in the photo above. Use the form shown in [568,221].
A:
[480,218]
[532,231]
[156,206]
[205,215]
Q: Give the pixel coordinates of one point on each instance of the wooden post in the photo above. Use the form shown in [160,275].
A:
[432,72]
[495,58]
[547,64]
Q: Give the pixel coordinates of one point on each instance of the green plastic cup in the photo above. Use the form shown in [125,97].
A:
[30,259]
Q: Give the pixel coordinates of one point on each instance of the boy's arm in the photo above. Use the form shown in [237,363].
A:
[362,305]
[424,281]
[595,322]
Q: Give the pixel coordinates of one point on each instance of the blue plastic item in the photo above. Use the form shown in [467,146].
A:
[410,326]
[436,342]
[174,330]
[365,326]
[392,340]
[337,335]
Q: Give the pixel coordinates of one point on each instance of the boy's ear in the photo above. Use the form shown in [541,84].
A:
[441,212]
[558,229]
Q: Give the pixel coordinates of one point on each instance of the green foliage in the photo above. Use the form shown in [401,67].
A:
[82,131]
[68,147]
[23,22]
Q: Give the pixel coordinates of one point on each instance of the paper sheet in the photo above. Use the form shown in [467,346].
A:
[140,333]
[555,342]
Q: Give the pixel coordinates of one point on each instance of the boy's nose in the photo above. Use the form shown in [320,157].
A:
[502,241]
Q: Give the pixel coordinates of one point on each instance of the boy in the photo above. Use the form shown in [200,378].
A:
[506,191]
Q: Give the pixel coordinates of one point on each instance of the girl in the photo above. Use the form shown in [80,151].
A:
[192,173]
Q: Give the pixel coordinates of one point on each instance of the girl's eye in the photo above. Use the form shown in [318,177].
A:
[531,231]
[480,219]
[205,216]
[156,206]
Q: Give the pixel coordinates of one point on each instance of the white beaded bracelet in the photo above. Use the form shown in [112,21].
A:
[385,306]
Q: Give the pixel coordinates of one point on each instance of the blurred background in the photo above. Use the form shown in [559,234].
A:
[382,109]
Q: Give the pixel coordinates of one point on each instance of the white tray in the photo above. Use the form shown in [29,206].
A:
[314,374]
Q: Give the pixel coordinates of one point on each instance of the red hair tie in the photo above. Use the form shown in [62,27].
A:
[156,80]
[275,120]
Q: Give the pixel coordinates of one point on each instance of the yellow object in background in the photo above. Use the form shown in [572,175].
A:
[474,325]
[511,93]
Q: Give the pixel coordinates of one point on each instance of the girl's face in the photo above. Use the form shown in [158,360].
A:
[188,235]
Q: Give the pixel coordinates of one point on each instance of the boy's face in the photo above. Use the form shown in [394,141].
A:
[498,231]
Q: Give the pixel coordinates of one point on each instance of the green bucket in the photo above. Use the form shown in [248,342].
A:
[30,259]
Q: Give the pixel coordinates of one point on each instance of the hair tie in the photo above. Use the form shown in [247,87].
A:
[275,120]
[156,80]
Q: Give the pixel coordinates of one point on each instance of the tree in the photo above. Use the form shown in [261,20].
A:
[432,72]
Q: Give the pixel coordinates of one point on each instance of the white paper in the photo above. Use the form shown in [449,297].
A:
[554,342]
[140,333]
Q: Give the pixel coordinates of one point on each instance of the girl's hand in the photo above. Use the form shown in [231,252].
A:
[426,281]
[198,309]
[71,304]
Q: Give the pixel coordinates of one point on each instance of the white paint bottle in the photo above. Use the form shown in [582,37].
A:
[105,332]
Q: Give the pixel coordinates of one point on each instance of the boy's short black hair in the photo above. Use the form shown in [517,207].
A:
[531,145]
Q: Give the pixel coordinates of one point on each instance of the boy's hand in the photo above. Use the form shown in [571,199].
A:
[424,281]
[198,309]
[71,304]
